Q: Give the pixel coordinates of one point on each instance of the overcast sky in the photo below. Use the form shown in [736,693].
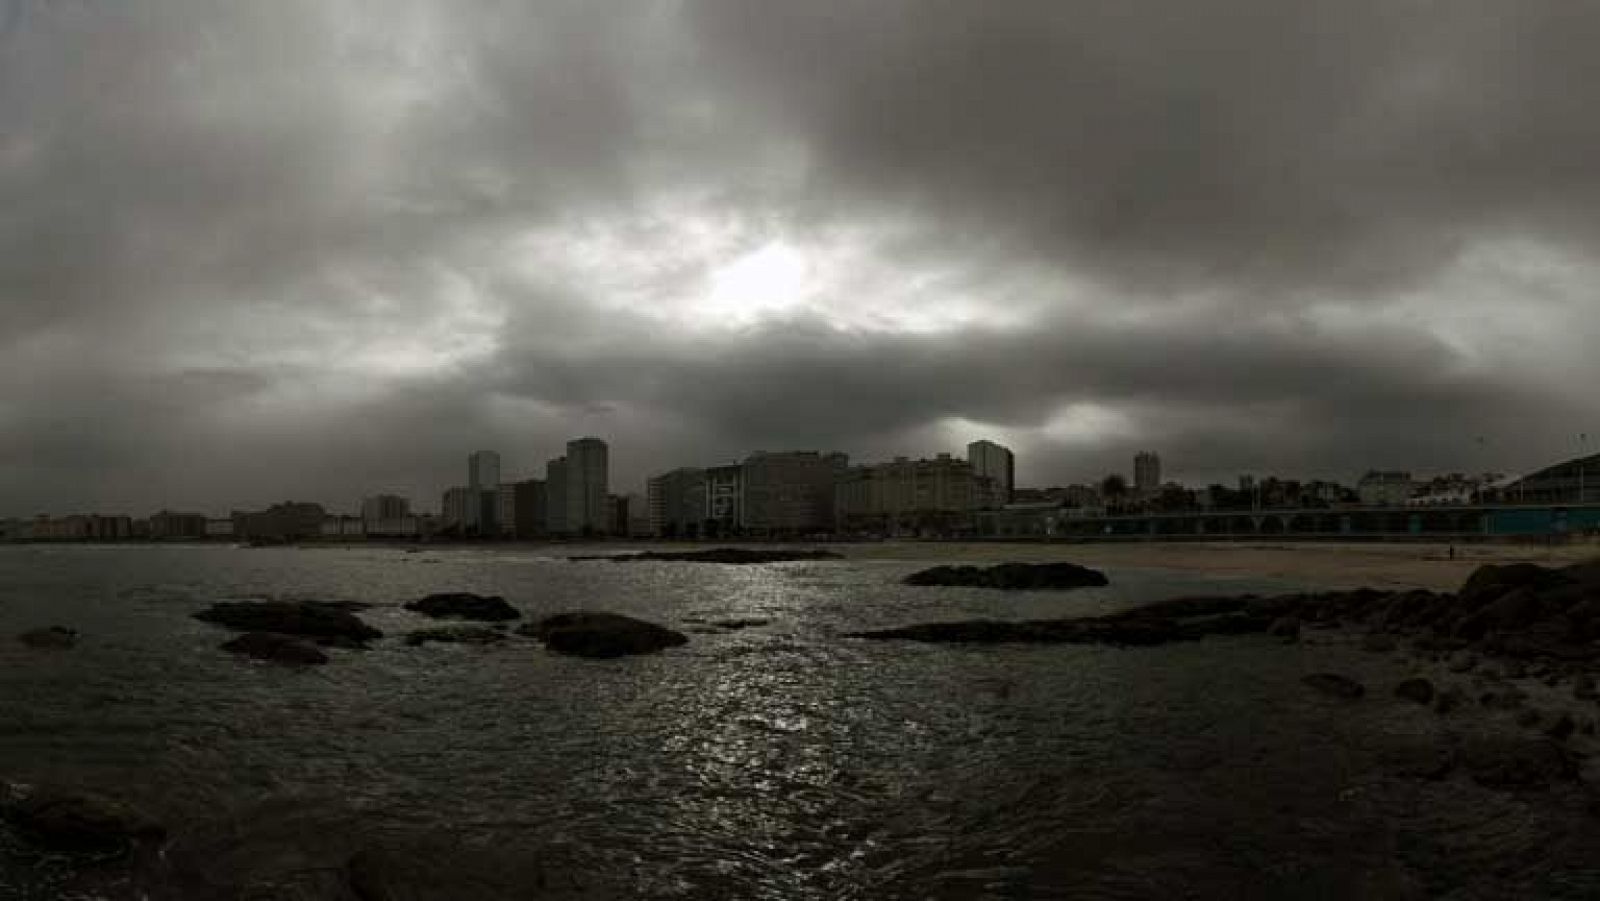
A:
[315,250]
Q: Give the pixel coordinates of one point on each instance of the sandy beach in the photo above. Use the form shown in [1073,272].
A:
[1332,565]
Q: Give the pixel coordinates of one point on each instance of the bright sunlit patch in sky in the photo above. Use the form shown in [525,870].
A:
[773,279]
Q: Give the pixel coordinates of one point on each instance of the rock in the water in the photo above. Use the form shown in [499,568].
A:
[81,823]
[1517,763]
[458,635]
[276,648]
[734,624]
[56,638]
[730,555]
[464,605]
[1378,643]
[1336,685]
[1448,700]
[319,622]
[598,634]
[1285,627]
[1416,689]
[1012,577]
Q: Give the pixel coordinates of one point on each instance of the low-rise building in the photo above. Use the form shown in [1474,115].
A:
[288,521]
[908,497]
[170,525]
[1385,488]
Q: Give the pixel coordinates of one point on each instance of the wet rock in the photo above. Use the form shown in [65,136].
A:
[1490,582]
[728,555]
[1285,627]
[1584,689]
[1378,643]
[1335,685]
[81,823]
[457,635]
[1516,763]
[1448,700]
[275,648]
[736,624]
[1463,663]
[1421,760]
[55,638]
[1417,689]
[1012,577]
[324,625]
[599,634]
[1562,728]
[465,605]
[1529,718]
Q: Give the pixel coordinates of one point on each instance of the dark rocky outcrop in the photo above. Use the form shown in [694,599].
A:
[1517,763]
[599,634]
[54,638]
[1335,685]
[464,605]
[80,823]
[323,624]
[1286,628]
[276,648]
[735,624]
[457,635]
[1012,577]
[1416,689]
[729,555]
[1517,615]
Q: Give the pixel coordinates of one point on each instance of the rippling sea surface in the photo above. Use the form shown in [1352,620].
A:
[777,761]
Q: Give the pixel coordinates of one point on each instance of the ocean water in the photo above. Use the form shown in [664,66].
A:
[778,761]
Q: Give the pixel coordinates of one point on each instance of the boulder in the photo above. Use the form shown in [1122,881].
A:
[464,605]
[602,635]
[1335,685]
[735,624]
[732,556]
[81,823]
[1012,577]
[1378,643]
[1517,763]
[276,648]
[1285,627]
[1491,581]
[55,638]
[323,624]
[1417,689]
[457,635]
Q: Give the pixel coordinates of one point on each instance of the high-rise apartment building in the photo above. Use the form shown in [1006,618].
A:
[555,481]
[530,515]
[483,480]
[677,503]
[997,464]
[725,499]
[791,493]
[1146,474]
[588,477]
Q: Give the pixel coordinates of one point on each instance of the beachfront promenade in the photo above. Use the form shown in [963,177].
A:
[1436,523]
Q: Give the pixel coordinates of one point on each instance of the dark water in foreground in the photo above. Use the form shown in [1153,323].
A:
[780,761]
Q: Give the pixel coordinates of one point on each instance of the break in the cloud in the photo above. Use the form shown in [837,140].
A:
[319,249]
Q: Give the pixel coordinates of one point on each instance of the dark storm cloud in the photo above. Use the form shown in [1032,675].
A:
[1244,142]
[318,249]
